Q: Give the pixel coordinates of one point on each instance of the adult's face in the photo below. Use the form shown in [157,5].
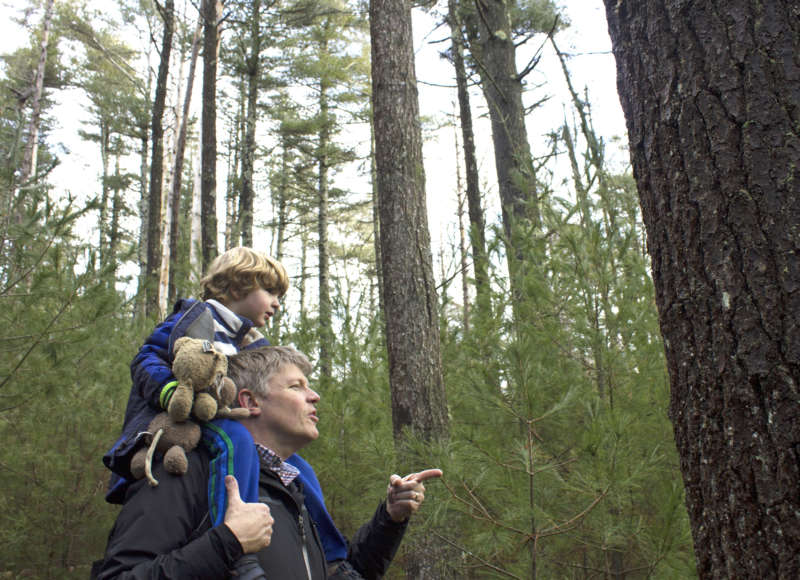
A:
[288,413]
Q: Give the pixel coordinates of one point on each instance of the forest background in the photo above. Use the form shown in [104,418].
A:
[559,458]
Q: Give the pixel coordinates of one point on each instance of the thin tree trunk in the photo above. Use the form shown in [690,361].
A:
[325,314]
[710,92]
[141,253]
[116,214]
[232,234]
[303,273]
[282,210]
[247,194]
[102,225]
[180,152]
[211,10]
[28,168]
[376,224]
[495,53]
[157,163]
[462,244]
[195,235]
[476,218]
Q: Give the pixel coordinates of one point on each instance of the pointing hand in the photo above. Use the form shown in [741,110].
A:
[404,495]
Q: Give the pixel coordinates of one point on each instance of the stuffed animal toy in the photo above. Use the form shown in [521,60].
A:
[173,439]
[203,390]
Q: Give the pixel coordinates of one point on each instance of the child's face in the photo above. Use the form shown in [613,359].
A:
[258,305]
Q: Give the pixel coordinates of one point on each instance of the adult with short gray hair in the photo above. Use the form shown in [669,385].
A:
[168,531]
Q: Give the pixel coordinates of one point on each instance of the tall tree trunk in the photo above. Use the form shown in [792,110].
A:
[116,216]
[462,245]
[232,235]
[157,162]
[177,181]
[102,225]
[211,10]
[282,218]
[325,314]
[28,168]
[376,224]
[195,235]
[247,195]
[303,274]
[710,92]
[141,252]
[412,321]
[476,218]
[495,53]
[411,317]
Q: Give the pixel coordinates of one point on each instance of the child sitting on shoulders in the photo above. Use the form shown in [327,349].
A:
[241,292]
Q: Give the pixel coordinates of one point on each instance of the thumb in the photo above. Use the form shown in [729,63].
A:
[232,487]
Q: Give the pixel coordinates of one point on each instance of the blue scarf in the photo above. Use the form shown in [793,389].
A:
[233,451]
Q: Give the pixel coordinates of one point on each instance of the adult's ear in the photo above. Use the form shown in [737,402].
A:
[248,400]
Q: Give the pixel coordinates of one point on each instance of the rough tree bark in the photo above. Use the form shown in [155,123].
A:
[153,268]
[211,10]
[711,94]
[412,326]
[494,51]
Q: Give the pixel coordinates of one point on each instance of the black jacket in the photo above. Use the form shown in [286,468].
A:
[165,532]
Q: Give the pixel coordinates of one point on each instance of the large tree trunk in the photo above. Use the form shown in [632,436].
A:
[249,150]
[30,154]
[477,222]
[177,181]
[208,181]
[412,321]
[157,163]
[710,92]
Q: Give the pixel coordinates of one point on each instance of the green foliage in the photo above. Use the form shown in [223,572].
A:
[354,456]
[561,462]
[63,385]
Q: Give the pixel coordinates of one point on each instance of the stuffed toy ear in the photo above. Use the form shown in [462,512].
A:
[226,394]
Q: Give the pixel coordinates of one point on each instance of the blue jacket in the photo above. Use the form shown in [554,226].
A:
[153,383]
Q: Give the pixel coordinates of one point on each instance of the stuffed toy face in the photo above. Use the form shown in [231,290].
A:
[204,391]
[199,370]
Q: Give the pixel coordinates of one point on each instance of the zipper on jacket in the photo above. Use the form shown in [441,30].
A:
[305,550]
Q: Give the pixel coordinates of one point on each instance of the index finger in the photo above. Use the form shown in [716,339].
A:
[424,475]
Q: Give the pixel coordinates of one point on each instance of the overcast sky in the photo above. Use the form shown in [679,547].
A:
[591,64]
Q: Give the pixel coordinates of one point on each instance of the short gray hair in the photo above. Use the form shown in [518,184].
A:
[252,369]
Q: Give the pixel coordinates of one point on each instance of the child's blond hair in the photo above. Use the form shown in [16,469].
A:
[237,272]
